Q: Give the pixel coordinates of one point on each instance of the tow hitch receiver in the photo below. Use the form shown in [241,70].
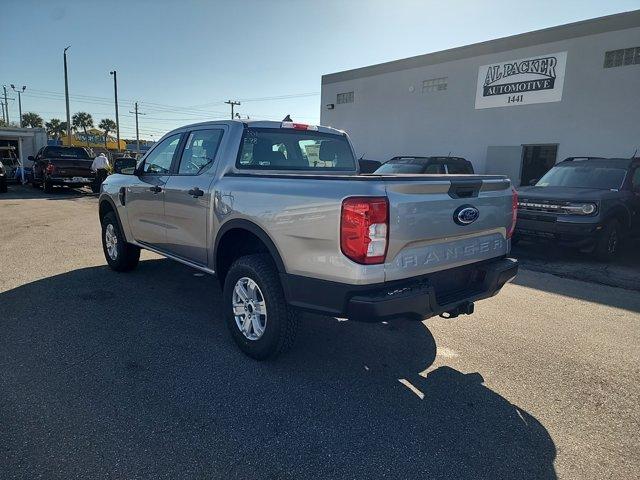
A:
[462,309]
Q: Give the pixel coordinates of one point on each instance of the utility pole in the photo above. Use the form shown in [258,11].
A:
[233,104]
[66,96]
[5,102]
[115,93]
[19,92]
[137,134]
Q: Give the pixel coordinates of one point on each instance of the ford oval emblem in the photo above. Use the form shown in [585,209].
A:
[466,214]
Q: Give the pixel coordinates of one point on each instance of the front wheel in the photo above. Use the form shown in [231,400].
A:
[257,315]
[120,255]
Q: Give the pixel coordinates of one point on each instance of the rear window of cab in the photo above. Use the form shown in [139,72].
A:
[290,149]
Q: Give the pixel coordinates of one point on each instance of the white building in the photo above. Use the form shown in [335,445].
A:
[26,140]
[512,106]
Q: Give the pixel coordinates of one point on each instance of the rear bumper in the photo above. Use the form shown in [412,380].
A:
[416,298]
[566,233]
[69,181]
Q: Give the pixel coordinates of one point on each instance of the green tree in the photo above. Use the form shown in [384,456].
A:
[31,119]
[84,121]
[107,125]
[55,128]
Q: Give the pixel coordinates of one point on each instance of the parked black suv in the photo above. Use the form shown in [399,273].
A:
[588,203]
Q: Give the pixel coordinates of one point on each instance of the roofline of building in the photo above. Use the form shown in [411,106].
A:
[609,23]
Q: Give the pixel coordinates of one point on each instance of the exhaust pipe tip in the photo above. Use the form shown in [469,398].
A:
[466,308]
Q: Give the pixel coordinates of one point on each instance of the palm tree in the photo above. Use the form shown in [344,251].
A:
[31,119]
[84,121]
[55,128]
[107,125]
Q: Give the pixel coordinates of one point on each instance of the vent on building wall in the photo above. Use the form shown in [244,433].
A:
[622,57]
[345,98]
[434,85]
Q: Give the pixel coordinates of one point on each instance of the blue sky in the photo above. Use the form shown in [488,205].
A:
[182,59]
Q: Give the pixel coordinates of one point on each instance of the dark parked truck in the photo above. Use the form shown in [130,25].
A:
[590,203]
[62,166]
[285,230]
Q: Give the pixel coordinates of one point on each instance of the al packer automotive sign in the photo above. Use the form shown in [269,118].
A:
[521,82]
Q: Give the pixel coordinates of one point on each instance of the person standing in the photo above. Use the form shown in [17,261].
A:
[99,166]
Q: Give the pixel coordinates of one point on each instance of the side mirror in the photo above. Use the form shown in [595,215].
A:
[30,158]
[125,166]
[533,182]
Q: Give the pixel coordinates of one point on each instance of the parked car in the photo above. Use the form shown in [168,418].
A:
[3,178]
[62,166]
[283,232]
[10,162]
[430,165]
[588,203]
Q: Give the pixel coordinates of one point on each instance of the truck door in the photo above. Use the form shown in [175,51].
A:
[145,196]
[188,197]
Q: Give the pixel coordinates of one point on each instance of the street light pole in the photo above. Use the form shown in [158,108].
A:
[66,96]
[19,92]
[115,93]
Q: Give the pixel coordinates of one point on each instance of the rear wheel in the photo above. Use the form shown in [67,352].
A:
[120,255]
[257,315]
[608,242]
[3,185]
[46,186]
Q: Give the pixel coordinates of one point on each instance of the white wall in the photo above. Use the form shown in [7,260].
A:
[598,114]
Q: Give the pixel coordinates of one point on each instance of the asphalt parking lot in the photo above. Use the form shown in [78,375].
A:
[107,375]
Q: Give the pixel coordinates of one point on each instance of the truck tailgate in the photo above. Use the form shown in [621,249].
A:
[72,168]
[425,232]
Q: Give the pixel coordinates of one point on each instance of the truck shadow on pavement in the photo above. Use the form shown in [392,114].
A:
[134,375]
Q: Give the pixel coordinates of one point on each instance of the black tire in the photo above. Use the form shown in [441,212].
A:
[3,186]
[95,188]
[46,186]
[608,243]
[126,255]
[281,322]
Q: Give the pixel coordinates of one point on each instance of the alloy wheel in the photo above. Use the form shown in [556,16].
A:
[249,308]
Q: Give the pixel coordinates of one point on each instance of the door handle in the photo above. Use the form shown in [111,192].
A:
[195,192]
[155,189]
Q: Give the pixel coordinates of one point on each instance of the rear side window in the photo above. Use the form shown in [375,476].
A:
[66,152]
[199,151]
[289,149]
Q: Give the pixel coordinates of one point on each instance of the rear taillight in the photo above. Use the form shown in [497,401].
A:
[51,168]
[364,229]
[514,212]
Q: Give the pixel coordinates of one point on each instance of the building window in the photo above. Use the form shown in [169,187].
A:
[622,57]
[434,85]
[345,98]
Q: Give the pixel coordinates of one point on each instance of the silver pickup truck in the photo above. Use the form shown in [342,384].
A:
[279,212]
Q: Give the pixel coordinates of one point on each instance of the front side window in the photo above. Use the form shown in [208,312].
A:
[284,149]
[199,151]
[159,159]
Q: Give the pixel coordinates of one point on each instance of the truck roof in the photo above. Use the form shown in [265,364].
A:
[600,162]
[256,124]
